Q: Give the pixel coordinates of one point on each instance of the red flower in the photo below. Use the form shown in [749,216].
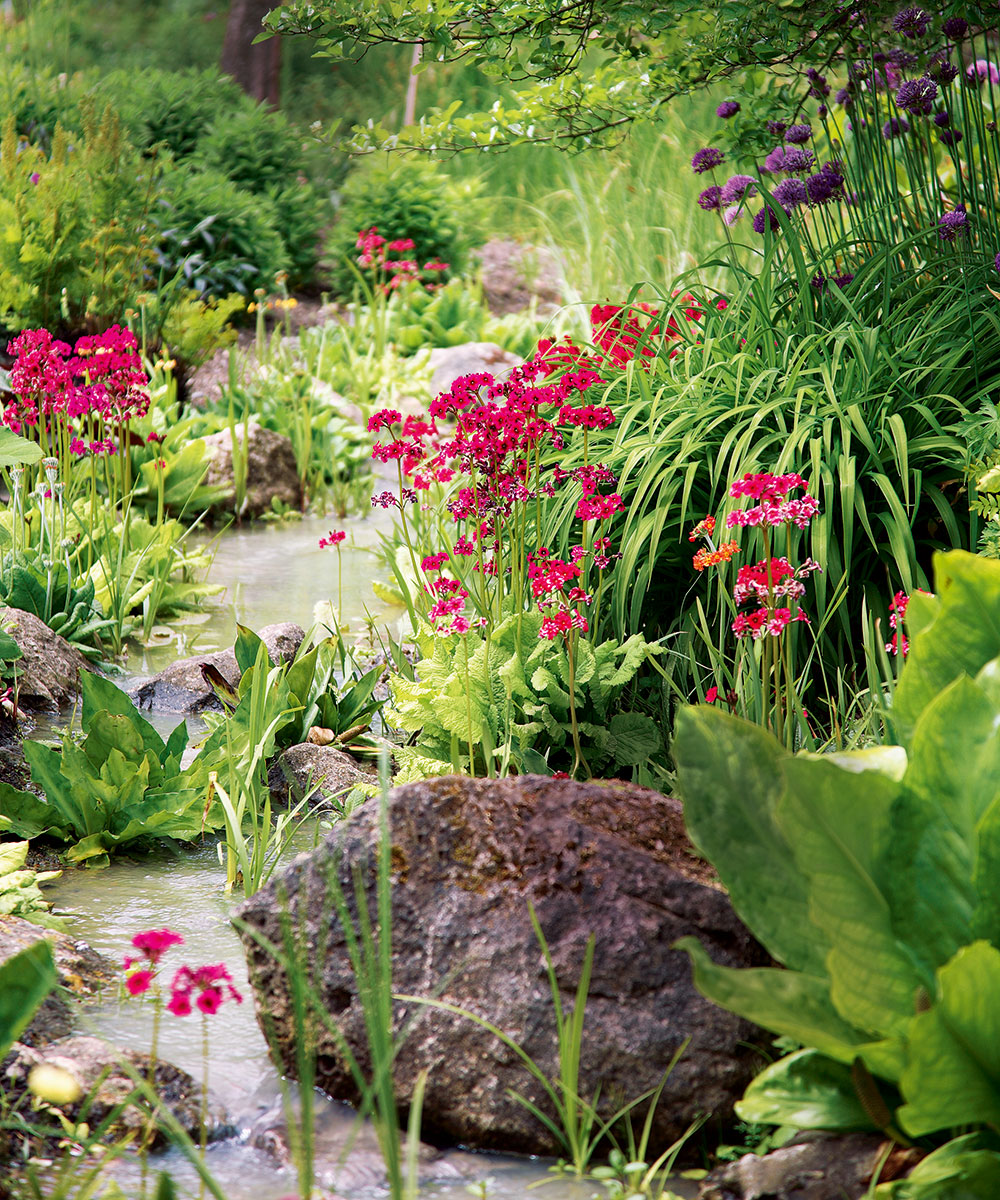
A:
[139,982]
[711,695]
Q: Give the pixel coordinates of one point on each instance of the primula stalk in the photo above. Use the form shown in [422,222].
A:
[578,759]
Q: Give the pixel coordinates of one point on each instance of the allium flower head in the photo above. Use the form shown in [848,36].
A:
[953,225]
[791,193]
[798,134]
[895,127]
[942,119]
[777,128]
[917,96]
[709,198]
[766,217]
[727,109]
[996,262]
[705,159]
[942,69]
[739,187]
[955,27]
[844,98]
[950,137]
[911,22]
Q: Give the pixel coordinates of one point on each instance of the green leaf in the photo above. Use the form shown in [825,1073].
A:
[838,824]
[15,449]
[806,1090]
[246,649]
[963,1169]
[963,635]
[25,981]
[788,1003]
[101,695]
[952,1076]
[730,779]
[635,738]
[952,783]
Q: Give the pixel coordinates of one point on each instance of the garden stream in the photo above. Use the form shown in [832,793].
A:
[271,574]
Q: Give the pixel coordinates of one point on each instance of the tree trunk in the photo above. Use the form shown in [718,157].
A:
[257,69]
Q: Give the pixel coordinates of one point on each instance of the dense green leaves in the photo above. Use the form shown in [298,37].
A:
[893,878]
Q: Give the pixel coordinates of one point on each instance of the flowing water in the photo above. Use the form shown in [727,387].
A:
[271,574]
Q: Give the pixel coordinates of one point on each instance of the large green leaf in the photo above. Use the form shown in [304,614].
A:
[101,695]
[962,637]
[788,1003]
[636,738]
[963,1169]
[837,823]
[729,773]
[15,449]
[952,1077]
[952,783]
[805,1090]
[25,981]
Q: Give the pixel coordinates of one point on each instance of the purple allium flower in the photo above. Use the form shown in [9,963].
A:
[790,194]
[917,96]
[895,127]
[911,22]
[820,187]
[34,177]
[996,262]
[953,225]
[706,159]
[942,119]
[904,59]
[798,159]
[950,137]
[844,98]
[766,216]
[982,69]
[727,109]
[842,280]
[709,198]
[732,214]
[942,69]
[776,128]
[991,126]
[955,27]
[738,188]
[798,134]
[821,112]
[818,281]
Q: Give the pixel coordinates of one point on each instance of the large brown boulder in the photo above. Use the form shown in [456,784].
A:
[468,856]
[272,473]
[183,688]
[49,668]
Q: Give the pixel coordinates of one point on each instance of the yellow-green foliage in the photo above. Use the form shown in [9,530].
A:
[72,251]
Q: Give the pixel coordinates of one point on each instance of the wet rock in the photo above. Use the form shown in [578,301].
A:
[448,363]
[49,669]
[513,275]
[346,1154]
[83,974]
[468,856]
[816,1166]
[301,768]
[104,1085]
[271,470]
[182,687]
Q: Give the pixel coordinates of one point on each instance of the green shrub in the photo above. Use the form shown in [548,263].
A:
[219,238]
[170,109]
[262,153]
[870,876]
[412,199]
[73,249]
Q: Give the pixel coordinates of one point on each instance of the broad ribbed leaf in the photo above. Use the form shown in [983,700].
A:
[837,823]
[729,773]
[25,981]
[952,1076]
[952,782]
[964,635]
[788,1003]
[806,1090]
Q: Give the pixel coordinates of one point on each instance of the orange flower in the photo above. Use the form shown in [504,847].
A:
[711,558]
